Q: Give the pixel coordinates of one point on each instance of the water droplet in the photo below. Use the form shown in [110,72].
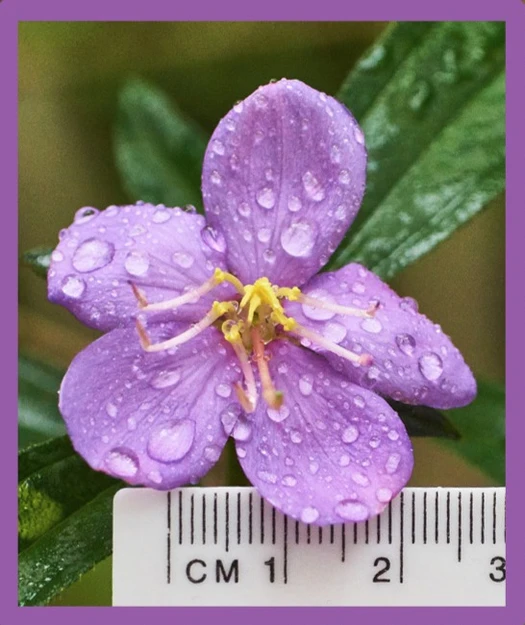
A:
[314,468]
[282,368]
[137,263]
[264,234]
[223,390]
[294,203]
[215,177]
[393,435]
[278,415]
[269,256]
[122,462]
[244,209]
[295,437]
[359,135]
[318,314]
[334,331]
[374,59]
[358,287]
[313,187]
[242,431]
[360,479]
[73,286]
[392,463]
[247,235]
[266,197]
[172,443]
[164,379]
[374,442]
[408,304]
[350,434]
[344,460]
[85,214]
[298,239]
[335,154]
[372,325]
[238,107]
[309,514]
[161,216]
[384,495]
[289,480]
[344,176]
[228,420]
[213,239]
[351,510]
[218,147]
[93,254]
[306,383]
[111,410]
[155,477]
[266,476]
[212,453]
[261,101]
[183,259]
[406,343]
[57,256]
[420,96]
[359,401]
[132,424]
[431,366]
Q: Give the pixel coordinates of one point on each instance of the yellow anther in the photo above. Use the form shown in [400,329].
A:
[221,308]
[290,324]
[232,331]
[221,276]
[291,294]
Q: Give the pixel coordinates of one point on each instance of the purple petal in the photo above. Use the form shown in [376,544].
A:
[163,251]
[283,178]
[413,360]
[333,452]
[157,419]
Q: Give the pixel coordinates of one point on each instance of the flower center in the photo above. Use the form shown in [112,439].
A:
[248,323]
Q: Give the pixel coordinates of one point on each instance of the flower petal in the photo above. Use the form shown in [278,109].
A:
[159,250]
[333,452]
[413,360]
[283,178]
[151,418]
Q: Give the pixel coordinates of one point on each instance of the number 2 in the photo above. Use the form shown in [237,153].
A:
[378,577]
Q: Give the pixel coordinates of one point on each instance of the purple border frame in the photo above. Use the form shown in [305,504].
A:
[510,11]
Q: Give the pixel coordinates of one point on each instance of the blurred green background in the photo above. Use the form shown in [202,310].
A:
[69,78]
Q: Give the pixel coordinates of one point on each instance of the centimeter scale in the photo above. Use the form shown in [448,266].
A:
[228,547]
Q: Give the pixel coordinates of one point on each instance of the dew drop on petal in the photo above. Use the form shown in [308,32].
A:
[183,259]
[392,463]
[167,378]
[264,235]
[161,216]
[309,514]
[242,431]
[318,314]
[266,476]
[278,415]
[372,325]
[359,136]
[298,239]
[122,462]
[73,287]
[431,366]
[244,209]
[266,197]
[223,390]
[384,495]
[306,384]
[137,263]
[406,343]
[408,304]
[57,256]
[83,215]
[344,176]
[218,147]
[393,435]
[352,510]
[111,410]
[295,437]
[93,254]
[213,239]
[172,443]
[314,468]
[212,453]
[334,332]
[350,434]
[289,480]
[228,420]
[294,203]
[269,256]
[312,186]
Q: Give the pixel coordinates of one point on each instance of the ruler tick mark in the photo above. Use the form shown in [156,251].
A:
[366,532]
[401,537]
[308,534]
[227,521]
[204,519]
[343,542]
[273,526]
[215,519]
[250,518]
[459,527]
[285,550]
[297,532]
[238,518]
[425,518]
[390,523]
[494,518]
[482,518]
[448,518]
[331,534]
[262,520]
[355,533]
[180,517]
[413,517]
[192,519]
[436,517]
[378,529]
[320,535]
[471,519]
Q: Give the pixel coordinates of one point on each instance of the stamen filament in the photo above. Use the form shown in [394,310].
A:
[272,397]
[248,398]
[218,309]
[319,339]
[337,308]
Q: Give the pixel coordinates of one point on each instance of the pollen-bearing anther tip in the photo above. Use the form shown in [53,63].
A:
[366,360]
[373,308]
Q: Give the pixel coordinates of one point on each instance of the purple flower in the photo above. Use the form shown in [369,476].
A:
[221,327]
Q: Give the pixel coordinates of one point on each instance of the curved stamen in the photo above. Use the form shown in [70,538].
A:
[313,302]
[248,397]
[217,310]
[272,397]
[319,339]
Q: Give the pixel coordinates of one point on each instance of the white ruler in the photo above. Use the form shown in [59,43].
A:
[228,547]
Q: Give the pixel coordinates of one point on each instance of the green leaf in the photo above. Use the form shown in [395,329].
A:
[38,259]
[434,121]
[482,426]
[159,152]
[424,421]
[38,415]
[64,519]
[67,551]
